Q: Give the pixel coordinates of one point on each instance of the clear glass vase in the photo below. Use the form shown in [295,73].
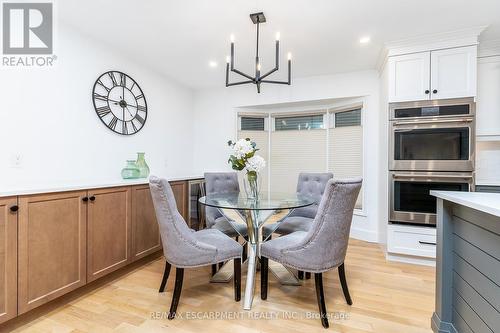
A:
[130,171]
[252,185]
[142,165]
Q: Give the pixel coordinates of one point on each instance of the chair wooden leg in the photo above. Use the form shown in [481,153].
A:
[179,276]
[165,277]
[318,279]
[343,283]
[237,279]
[214,269]
[244,254]
[308,275]
[300,275]
[264,273]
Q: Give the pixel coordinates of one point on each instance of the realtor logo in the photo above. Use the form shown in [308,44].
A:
[28,34]
[27,28]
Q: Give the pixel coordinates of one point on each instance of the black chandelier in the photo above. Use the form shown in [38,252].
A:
[257,18]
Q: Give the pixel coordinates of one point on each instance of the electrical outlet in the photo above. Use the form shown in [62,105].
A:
[16,161]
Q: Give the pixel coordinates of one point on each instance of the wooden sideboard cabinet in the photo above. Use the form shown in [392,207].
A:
[109,230]
[55,243]
[8,259]
[180,189]
[145,231]
[51,247]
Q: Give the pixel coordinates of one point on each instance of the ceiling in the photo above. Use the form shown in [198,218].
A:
[180,37]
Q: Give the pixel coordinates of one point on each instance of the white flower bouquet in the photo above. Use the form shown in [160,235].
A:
[243,157]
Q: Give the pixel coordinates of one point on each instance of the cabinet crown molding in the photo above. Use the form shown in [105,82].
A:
[489,48]
[429,42]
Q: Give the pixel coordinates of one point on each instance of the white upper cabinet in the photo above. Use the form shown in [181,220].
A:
[488,99]
[453,72]
[409,77]
[447,73]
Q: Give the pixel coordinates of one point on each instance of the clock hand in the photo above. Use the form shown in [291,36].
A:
[130,113]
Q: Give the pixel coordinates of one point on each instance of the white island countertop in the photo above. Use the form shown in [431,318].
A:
[39,188]
[484,202]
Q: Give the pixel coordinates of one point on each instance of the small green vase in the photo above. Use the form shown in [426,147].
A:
[131,171]
[142,166]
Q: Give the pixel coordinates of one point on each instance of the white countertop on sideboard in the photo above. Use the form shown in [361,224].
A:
[484,202]
[10,191]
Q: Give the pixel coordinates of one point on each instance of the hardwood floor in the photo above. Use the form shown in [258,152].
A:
[388,297]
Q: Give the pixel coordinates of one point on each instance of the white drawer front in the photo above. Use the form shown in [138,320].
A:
[411,241]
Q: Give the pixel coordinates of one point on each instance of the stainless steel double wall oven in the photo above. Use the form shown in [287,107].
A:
[431,147]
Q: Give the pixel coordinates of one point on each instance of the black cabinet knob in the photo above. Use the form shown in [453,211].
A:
[14,208]
[427,91]
[434,91]
[85,199]
[92,198]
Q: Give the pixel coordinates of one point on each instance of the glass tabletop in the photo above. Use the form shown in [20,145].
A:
[266,201]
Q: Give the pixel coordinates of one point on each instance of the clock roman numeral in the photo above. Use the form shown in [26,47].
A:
[133,125]
[99,82]
[112,123]
[139,119]
[141,108]
[103,111]
[124,128]
[139,97]
[113,79]
[123,80]
[100,97]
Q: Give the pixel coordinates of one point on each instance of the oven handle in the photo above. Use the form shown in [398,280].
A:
[434,121]
[432,177]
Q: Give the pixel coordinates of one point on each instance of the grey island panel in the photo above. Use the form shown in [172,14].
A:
[467,269]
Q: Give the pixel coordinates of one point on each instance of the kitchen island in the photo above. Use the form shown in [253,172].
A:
[468,262]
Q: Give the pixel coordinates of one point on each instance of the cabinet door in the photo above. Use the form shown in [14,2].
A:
[409,77]
[8,259]
[180,190]
[52,238]
[488,99]
[145,231]
[108,245]
[453,72]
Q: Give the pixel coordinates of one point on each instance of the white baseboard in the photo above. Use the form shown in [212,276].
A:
[364,234]
[410,259]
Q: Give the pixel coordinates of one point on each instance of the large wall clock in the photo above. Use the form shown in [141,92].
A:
[120,103]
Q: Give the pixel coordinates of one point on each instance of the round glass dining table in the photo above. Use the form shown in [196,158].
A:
[250,215]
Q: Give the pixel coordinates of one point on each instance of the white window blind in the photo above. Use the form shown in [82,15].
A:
[345,147]
[295,151]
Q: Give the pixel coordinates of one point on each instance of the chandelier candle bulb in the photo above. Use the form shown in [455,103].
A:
[289,56]
[231,38]
[278,35]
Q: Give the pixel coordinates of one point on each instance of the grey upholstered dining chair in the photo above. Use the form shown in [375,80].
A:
[300,219]
[222,182]
[321,248]
[186,248]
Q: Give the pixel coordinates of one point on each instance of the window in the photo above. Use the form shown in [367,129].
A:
[252,124]
[348,118]
[345,146]
[298,122]
[314,141]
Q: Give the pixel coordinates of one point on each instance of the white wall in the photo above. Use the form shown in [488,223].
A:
[215,123]
[49,120]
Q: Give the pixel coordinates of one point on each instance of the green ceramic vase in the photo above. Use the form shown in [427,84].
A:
[142,166]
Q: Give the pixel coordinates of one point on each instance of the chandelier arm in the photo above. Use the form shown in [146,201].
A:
[277,61]
[238,83]
[242,74]
[274,82]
